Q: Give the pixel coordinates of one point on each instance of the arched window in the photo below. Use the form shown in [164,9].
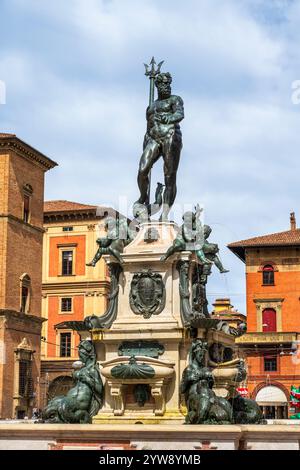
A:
[269,319]
[59,386]
[25,293]
[27,193]
[268,275]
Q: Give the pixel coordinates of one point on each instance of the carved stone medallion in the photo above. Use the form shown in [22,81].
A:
[151,235]
[147,294]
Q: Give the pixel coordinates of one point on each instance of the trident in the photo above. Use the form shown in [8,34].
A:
[152,73]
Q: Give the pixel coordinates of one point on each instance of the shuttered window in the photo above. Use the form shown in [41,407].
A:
[65,345]
[268,275]
[67,263]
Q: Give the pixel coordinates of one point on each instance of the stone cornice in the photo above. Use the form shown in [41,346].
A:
[85,214]
[54,365]
[13,218]
[68,216]
[273,376]
[14,144]
[24,323]
[264,339]
[27,317]
[80,285]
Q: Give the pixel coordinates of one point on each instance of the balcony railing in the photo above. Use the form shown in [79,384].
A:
[268,337]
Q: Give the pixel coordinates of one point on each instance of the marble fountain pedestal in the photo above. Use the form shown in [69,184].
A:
[143,354]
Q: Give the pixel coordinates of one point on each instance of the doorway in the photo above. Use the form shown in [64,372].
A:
[274,411]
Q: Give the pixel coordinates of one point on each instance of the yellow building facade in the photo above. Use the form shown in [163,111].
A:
[224,311]
[70,289]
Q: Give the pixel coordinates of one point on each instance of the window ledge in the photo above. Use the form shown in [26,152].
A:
[66,275]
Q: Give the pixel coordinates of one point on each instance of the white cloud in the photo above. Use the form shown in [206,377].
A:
[16,71]
[76,77]
[220,30]
[118,32]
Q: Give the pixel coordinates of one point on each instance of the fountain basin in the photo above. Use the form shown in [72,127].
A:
[225,376]
[161,369]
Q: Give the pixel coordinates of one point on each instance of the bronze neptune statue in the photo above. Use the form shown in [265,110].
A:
[162,139]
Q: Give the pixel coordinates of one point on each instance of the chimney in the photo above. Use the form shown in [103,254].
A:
[293,221]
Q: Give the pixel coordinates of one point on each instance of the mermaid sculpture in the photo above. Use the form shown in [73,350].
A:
[84,400]
[204,407]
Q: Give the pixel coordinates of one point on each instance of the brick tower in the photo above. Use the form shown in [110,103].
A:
[22,170]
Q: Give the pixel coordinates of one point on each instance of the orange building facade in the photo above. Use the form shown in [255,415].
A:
[273,318]
[22,171]
[71,290]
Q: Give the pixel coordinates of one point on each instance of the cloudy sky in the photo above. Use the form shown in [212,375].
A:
[73,71]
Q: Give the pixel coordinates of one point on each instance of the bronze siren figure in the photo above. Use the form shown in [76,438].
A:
[85,398]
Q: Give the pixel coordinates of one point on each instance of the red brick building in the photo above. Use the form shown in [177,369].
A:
[272,265]
[22,170]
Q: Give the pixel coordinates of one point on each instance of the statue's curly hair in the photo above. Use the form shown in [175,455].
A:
[161,76]
[88,347]
[197,344]
[188,215]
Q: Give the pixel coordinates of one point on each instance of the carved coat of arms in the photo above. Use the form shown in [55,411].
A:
[147,294]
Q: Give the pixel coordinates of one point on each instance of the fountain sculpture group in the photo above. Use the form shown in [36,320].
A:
[156,355]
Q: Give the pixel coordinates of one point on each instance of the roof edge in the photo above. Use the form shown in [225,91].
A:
[14,143]
[238,251]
